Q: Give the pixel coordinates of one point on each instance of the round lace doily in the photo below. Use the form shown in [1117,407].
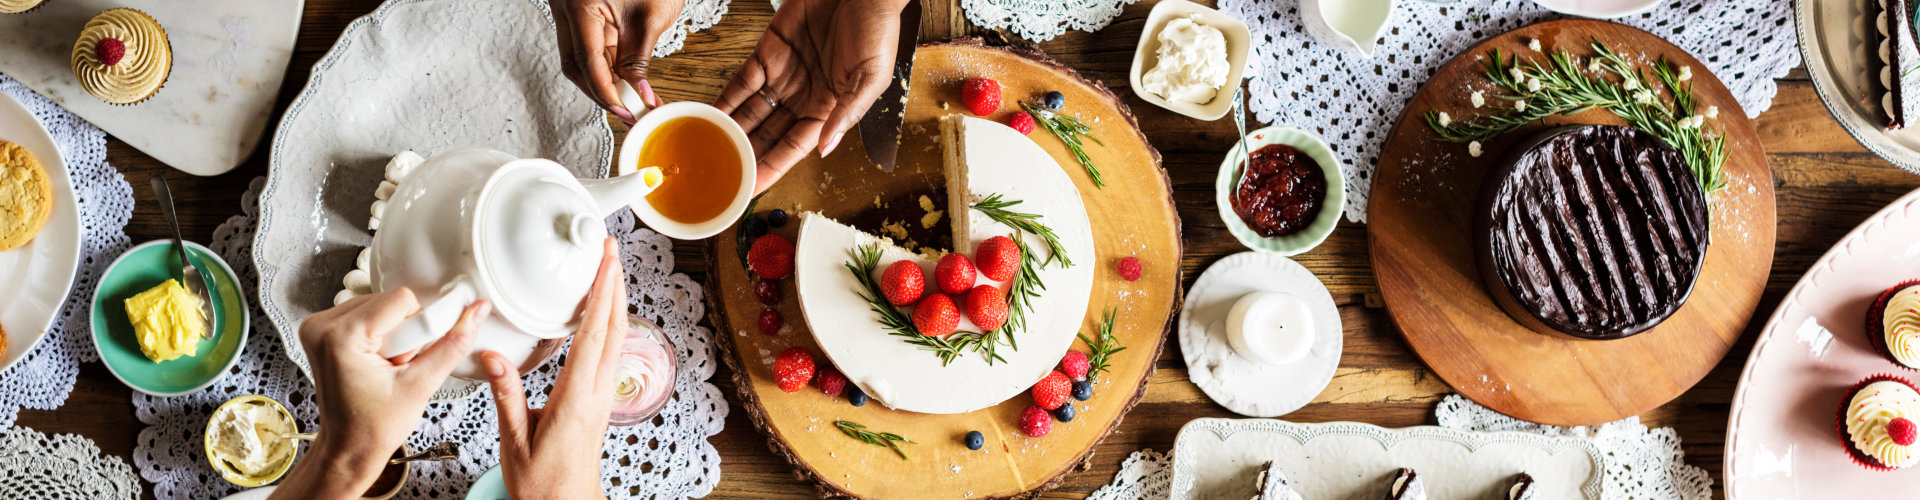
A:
[61,467]
[43,378]
[667,457]
[1641,463]
[1041,20]
[1352,101]
[695,16]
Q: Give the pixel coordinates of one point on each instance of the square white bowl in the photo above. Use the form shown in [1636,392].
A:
[1239,41]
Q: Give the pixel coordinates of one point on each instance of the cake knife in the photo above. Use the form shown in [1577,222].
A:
[880,128]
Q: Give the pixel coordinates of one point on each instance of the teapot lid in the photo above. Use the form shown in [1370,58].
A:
[538,238]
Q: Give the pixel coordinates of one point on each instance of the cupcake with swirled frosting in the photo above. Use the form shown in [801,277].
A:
[122,56]
[19,6]
[1893,324]
[1876,423]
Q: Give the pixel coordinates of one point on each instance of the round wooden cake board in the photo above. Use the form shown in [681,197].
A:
[1132,216]
[1418,229]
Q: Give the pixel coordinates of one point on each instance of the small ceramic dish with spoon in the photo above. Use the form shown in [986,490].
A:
[141,268]
[1331,206]
[245,414]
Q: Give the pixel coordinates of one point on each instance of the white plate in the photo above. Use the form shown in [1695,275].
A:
[1599,9]
[1219,457]
[35,278]
[1838,58]
[1239,384]
[426,75]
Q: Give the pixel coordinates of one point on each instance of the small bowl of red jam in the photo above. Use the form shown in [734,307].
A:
[1284,194]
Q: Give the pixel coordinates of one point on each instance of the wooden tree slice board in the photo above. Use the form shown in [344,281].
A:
[1418,229]
[1132,216]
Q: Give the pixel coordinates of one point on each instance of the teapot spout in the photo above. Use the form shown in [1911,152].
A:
[613,193]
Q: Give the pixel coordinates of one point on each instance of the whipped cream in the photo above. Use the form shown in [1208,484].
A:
[248,436]
[1191,64]
[1902,322]
[1868,415]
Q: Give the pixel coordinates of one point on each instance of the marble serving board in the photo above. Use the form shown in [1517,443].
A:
[229,57]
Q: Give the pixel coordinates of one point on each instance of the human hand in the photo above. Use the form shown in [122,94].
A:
[816,71]
[603,42]
[369,404]
[547,453]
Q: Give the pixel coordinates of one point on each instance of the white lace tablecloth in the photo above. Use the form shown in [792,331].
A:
[695,16]
[61,467]
[1641,463]
[43,378]
[1041,20]
[667,457]
[1352,101]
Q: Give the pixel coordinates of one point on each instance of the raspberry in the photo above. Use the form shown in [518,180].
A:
[1052,390]
[793,369]
[1022,122]
[936,315]
[1075,365]
[955,273]
[903,283]
[987,307]
[1035,421]
[767,291]
[770,321]
[110,51]
[1129,268]
[998,258]
[981,96]
[1901,431]
[831,382]
[771,257]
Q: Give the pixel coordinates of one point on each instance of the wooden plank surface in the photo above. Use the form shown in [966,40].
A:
[1825,184]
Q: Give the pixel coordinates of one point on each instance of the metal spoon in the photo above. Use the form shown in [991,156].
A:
[189,275]
[442,451]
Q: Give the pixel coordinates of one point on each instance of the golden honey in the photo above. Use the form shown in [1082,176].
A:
[701,170]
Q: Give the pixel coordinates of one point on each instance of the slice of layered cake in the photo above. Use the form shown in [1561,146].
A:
[1896,53]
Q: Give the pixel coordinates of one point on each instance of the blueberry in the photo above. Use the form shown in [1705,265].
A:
[777,218]
[1064,413]
[855,396]
[755,228]
[1055,100]
[1083,390]
[975,440]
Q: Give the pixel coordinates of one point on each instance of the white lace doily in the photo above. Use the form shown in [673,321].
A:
[1352,101]
[667,457]
[1641,463]
[695,16]
[43,378]
[1041,20]
[61,467]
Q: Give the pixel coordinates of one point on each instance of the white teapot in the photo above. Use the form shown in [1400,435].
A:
[480,224]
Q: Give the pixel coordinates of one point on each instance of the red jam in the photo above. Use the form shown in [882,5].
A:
[1281,193]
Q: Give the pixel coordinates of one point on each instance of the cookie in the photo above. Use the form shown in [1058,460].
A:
[26,196]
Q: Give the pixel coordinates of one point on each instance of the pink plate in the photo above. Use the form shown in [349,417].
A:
[1780,438]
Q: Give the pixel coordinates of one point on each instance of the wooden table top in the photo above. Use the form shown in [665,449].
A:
[1826,184]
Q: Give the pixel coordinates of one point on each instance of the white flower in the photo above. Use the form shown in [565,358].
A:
[1520,105]
[1699,121]
[1630,84]
[1686,73]
[1533,43]
[1516,74]
[1445,119]
[1643,97]
[1692,121]
[1713,111]
[1593,65]
[1533,85]
[1479,98]
[1473,148]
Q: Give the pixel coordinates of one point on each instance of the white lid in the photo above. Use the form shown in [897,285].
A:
[538,238]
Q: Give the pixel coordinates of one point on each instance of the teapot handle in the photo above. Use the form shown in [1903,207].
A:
[433,321]
[630,99]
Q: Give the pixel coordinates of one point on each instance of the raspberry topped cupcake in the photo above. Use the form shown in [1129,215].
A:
[1876,423]
[19,6]
[1893,324]
[122,56]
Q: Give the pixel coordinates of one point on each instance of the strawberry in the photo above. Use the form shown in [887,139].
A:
[1052,390]
[936,315]
[998,258]
[770,321]
[1075,365]
[1021,122]
[771,257]
[955,273]
[1129,268]
[986,307]
[109,50]
[1036,422]
[981,96]
[903,282]
[793,369]
[831,382]
[1901,431]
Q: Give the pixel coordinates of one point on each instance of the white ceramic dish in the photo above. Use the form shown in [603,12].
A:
[1239,384]
[1330,209]
[1354,25]
[1599,9]
[1781,440]
[397,80]
[38,274]
[650,119]
[1239,41]
[1839,59]
[1218,458]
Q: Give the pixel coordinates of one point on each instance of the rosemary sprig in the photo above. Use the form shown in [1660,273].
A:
[1069,130]
[740,242]
[1025,287]
[866,258]
[1563,87]
[999,209]
[1103,348]
[860,432]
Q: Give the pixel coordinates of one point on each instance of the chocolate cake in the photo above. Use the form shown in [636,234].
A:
[1595,231]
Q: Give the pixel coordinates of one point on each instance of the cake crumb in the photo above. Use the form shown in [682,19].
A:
[895,230]
[932,216]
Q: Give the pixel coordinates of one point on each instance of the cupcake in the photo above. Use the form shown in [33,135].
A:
[1893,324]
[122,56]
[18,6]
[1875,423]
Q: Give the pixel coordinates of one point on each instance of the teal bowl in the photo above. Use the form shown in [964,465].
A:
[490,486]
[138,270]
[1330,209]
